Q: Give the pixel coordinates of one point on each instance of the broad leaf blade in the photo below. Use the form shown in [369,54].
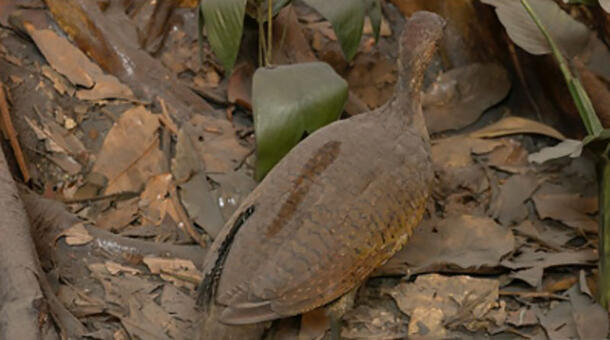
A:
[570,35]
[224,22]
[347,18]
[289,101]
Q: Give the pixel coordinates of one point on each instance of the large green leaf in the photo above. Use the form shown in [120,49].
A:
[290,100]
[224,22]
[347,18]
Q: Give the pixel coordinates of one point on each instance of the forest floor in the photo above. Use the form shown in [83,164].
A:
[132,191]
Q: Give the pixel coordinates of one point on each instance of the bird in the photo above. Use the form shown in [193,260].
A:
[336,207]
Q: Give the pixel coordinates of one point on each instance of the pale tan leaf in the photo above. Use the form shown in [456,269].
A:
[570,35]
[516,125]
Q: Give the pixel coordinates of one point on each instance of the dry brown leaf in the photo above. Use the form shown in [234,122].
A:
[570,208]
[511,157]
[187,162]
[590,318]
[61,84]
[458,98]
[76,235]
[119,218]
[68,60]
[202,205]
[365,322]
[508,207]
[180,272]
[460,244]
[117,268]
[130,153]
[154,203]
[239,90]
[533,257]
[437,303]
[216,142]
[452,158]
[516,125]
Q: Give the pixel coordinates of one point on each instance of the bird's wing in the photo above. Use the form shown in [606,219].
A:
[324,218]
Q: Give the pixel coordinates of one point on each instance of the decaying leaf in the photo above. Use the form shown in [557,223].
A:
[68,60]
[508,207]
[180,272]
[453,159]
[216,143]
[556,202]
[590,318]
[117,268]
[201,204]
[458,97]
[558,322]
[365,322]
[130,153]
[533,257]
[76,235]
[438,303]
[154,203]
[465,244]
[187,161]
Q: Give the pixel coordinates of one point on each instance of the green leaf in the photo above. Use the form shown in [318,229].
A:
[224,21]
[373,10]
[290,100]
[347,18]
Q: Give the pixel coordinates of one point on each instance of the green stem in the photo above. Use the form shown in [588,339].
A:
[269,30]
[581,99]
[604,230]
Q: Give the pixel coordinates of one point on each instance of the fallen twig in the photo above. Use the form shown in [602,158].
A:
[11,134]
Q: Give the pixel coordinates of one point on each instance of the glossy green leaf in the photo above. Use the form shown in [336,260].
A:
[224,22]
[289,101]
[347,19]
[373,10]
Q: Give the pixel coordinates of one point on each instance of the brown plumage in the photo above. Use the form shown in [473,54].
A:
[339,205]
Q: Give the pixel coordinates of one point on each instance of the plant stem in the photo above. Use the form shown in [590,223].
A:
[594,128]
[261,41]
[581,99]
[604,230]
[269,30]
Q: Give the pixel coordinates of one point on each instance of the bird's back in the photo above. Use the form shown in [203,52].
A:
[343,201]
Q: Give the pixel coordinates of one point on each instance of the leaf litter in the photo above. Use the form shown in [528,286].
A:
[505,225]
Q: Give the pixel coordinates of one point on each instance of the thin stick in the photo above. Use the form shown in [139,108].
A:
[533,295]
[11,133]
